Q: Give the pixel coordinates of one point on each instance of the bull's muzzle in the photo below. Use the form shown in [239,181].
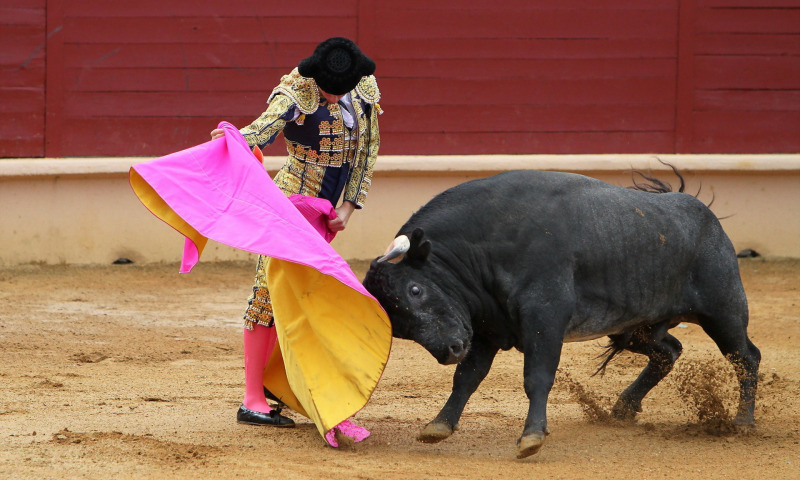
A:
[457,351]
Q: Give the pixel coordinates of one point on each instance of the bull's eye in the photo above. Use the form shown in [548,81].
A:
[415,290]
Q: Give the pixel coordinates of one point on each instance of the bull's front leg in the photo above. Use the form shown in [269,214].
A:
[469,373]
[542,348]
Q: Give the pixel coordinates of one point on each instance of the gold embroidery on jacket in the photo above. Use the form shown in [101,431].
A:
[301,177]
[303,91]
[367,89]
[327,144]
[263,130]
[361,175]
[259,305]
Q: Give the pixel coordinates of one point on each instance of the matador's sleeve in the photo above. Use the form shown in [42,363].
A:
[361,175]
[266,127]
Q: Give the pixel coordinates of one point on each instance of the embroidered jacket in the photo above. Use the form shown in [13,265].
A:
[324,156]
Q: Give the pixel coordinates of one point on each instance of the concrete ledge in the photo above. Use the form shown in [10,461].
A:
[82,210]
[405,164]
[52,167]
[579,163]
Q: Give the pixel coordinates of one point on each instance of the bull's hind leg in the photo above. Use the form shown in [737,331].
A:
[662,349]
[733,342]
[469,373]
[720,305]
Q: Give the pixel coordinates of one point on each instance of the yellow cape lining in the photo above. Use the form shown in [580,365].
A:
[334,341]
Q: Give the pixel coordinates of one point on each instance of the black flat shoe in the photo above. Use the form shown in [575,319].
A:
[273,418]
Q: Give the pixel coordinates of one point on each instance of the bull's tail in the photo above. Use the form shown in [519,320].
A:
[656,185]
[616,344]
[659,186]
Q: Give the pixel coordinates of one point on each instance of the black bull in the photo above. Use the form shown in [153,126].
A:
[532,259]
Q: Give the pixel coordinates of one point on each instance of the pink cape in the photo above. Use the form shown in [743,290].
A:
[220,190]
[333,335]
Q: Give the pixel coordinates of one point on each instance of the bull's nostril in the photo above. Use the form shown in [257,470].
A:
[457,348]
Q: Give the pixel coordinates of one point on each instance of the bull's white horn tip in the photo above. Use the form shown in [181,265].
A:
[397,248]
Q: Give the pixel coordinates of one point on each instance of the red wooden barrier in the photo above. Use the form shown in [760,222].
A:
[519,76]
[22,70]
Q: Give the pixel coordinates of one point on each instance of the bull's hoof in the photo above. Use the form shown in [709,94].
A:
[744,425]
[624,411]
[530,444]
[435,432]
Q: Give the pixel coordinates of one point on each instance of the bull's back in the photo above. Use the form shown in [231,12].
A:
[580,212]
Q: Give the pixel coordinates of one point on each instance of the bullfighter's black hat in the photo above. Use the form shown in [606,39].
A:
[337,65]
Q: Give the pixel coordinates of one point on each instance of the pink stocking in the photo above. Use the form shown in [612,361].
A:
[258,345]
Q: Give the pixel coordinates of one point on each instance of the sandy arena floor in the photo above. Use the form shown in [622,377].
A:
[132,371]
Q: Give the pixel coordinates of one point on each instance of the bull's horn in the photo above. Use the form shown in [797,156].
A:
[396,249]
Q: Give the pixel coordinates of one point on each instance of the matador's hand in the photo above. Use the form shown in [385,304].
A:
[342,216]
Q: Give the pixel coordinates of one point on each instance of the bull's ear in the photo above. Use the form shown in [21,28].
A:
[420,248]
